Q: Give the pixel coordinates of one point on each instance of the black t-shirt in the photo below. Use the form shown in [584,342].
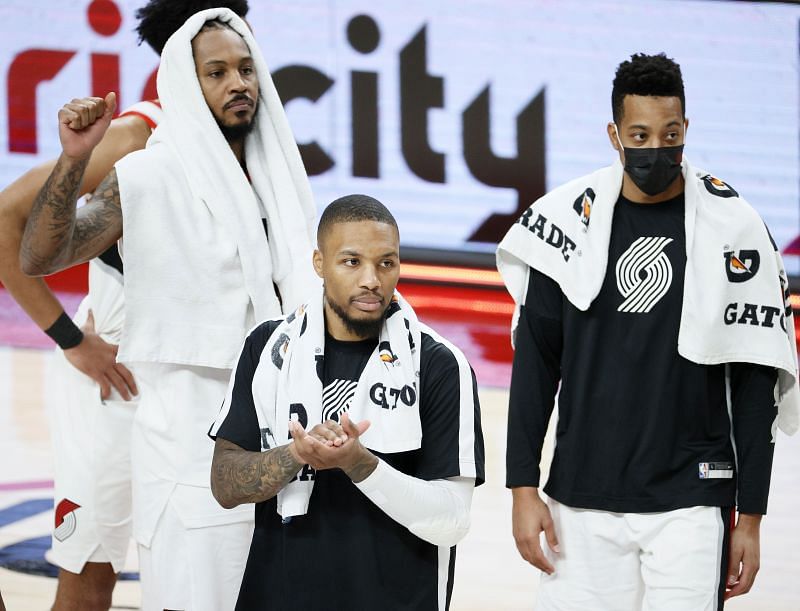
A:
[640,428]
[345,552]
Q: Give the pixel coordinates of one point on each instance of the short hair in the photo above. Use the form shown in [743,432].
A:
[352,209]
[655,75]
[160,19]
[216,24]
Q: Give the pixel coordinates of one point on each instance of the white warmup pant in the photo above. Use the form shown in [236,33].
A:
[192,552]
[666,561]
[193,569]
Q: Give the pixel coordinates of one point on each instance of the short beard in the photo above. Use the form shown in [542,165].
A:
[238,132]
[362,328]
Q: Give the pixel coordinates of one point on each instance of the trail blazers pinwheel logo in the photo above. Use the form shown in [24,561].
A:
[742,266]
[644,274]
[65,519]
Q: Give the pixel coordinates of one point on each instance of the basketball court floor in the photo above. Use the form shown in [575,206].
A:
[490,576]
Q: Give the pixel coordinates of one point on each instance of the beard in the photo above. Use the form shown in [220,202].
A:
[239,131]
[365,328]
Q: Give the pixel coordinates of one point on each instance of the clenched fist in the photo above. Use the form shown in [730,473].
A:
[83,122]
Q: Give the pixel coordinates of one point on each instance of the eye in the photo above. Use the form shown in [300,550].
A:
[248,70]
[351,262]
[215,74]
[639,137]
[388,263]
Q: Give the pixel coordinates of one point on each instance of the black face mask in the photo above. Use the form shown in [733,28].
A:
[653,169]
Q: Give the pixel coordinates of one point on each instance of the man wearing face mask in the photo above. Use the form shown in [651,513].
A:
[654,295]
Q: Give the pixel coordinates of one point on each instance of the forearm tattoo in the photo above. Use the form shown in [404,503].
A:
[52,217]
[57,235]
[99,222]
[239,476]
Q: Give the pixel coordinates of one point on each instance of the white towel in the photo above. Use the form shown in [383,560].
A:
[566,234]
[204,269]
[290,376]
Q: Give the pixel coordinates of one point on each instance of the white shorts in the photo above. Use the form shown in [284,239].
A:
[194,569]
[92,460]
[667,561]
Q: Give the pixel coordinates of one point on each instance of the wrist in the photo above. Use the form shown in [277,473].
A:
[362,467]
[526,493]
[64,332]
[76,159]
[749,520]
[292,448]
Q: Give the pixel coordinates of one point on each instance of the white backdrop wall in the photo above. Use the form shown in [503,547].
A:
[480,104]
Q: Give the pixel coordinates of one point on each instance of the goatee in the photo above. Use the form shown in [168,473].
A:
[238,132]
[364,328]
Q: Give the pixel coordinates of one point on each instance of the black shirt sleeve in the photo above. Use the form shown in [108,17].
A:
[240,424]
[535,375]
[443,442]
[754,412]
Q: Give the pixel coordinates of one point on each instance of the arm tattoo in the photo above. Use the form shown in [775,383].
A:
[56,235]
[99,222]
[239,476]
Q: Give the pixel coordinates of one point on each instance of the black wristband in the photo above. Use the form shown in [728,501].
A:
[64,332]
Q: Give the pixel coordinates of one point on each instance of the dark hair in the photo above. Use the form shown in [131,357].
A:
[216,24]
[656,75]
[352,209]
[159,19]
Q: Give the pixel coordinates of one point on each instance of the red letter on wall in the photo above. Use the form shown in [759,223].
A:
[28,69]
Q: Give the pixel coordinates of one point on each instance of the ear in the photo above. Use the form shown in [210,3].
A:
[317,259]
[685,127]
[612,136]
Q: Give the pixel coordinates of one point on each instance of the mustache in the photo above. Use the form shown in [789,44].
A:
[240,97]
[372,294]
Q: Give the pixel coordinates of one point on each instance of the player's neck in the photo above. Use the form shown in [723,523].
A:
[237,146]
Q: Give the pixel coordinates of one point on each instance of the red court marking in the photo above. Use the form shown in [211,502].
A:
[34,485]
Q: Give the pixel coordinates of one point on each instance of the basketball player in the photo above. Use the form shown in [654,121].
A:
[654,295]
[393,449]
[91,427]
[221,168]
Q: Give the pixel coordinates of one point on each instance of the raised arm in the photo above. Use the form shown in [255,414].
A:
[56,236]
[90,355]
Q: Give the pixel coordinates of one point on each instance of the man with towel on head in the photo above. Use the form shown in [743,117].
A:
[357,431]
[91,424]
[655,295]
[217,217]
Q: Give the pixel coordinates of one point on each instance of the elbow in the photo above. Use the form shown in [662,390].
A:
[224,501]
[34,267]
[444,533]
[29,267]
[219,489]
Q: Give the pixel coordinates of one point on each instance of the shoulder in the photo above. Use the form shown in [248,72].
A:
[254,344]
[128,132]
[146,112]
[576,188]
[438,356]
[724,202]
[259,336]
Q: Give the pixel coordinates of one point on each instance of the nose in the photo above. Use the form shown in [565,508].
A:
[369,278]
[237,83]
